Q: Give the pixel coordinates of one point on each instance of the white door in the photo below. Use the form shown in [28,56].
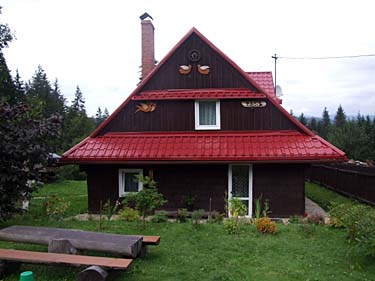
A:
[240,184]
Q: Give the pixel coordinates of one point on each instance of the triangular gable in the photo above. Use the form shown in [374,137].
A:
[158,69]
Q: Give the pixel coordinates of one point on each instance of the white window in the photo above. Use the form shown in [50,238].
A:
[128,181]
[207,115]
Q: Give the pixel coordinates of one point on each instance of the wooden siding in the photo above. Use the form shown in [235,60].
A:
[222,74]
[178,115]
[200,181]
[283,186]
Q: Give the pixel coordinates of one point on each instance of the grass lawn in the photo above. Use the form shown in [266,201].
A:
[323,196]
[295,252]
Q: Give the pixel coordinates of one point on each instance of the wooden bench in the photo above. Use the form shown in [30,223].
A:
[71,241]
[97,269]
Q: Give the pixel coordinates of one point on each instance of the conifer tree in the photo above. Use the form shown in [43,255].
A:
[340,118]
[302,119]
[325,124]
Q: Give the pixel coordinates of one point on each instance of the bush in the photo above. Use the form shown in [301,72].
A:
[216,217]
[161,216]
[359,221]
[146,200]
[128,214]
[196,216]
[337,213]
[236,208]
[56,208]
[182,215]
[265,225]
[70,172]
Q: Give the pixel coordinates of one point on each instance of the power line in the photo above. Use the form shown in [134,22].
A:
[327,58]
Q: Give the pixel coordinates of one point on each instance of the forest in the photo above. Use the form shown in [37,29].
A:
[355,136]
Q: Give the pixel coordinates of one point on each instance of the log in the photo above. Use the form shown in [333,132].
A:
[124,245]
[93,273]
[62,246]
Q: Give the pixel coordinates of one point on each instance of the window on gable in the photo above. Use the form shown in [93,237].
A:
[207,115]
[128,181]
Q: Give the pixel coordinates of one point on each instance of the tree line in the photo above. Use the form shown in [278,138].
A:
[45,99]
[355,136]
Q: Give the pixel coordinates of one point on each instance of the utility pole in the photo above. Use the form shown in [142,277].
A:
[275,57]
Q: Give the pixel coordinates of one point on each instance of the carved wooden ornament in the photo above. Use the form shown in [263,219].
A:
[185,69]
[146,107]
[203,69]
[253,104]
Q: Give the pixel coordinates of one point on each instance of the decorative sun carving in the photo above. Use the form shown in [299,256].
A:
[194,55]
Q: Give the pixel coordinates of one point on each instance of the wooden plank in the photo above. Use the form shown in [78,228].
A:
[63,259]
[151,240]
[124,245]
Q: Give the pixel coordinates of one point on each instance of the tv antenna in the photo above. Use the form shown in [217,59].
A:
[275,57]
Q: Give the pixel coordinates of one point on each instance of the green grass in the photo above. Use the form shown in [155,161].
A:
[323,196]
[208,253]
[74,192]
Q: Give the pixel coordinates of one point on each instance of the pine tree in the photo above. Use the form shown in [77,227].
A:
[77,124]
[313,124]
[7,89]
[58,98]
[324,124]
[302,119]
[20,88]
[98,117]
[340,118]
[78,104]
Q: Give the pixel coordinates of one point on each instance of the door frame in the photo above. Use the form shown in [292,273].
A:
[250,198]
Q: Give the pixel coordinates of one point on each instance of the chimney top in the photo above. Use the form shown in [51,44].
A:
[145,16]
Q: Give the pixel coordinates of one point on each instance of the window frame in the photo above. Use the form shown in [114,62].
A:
[198,126]
[121,184]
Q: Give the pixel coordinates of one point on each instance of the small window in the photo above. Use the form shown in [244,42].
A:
[128,181]
[207,115]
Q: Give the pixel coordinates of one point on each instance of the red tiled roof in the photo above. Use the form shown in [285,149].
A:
[262,146]
[265,80]
[198,94]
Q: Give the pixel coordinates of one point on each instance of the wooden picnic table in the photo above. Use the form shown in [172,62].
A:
[122,245]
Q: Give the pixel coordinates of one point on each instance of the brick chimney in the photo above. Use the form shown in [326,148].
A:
[148,53]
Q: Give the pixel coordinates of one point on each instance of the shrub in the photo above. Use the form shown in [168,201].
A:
[231,226]
[128,214]
[110,209]
[161,216]
[146,200]
[182,215]
[265,225]
[216,217]
[196,216]
[337,213]
[56,208]
[236,208]
[359,221]
[188,201]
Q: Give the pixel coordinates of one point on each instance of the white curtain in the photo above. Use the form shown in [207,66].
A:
[207,113]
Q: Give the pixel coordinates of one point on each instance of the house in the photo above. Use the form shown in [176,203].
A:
[202,128]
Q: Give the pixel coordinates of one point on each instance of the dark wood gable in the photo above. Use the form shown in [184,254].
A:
[221,75]
[178,115]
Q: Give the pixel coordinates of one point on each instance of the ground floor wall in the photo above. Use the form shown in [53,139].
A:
[207,185]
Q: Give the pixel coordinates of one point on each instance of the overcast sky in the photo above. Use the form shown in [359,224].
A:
[97,45]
